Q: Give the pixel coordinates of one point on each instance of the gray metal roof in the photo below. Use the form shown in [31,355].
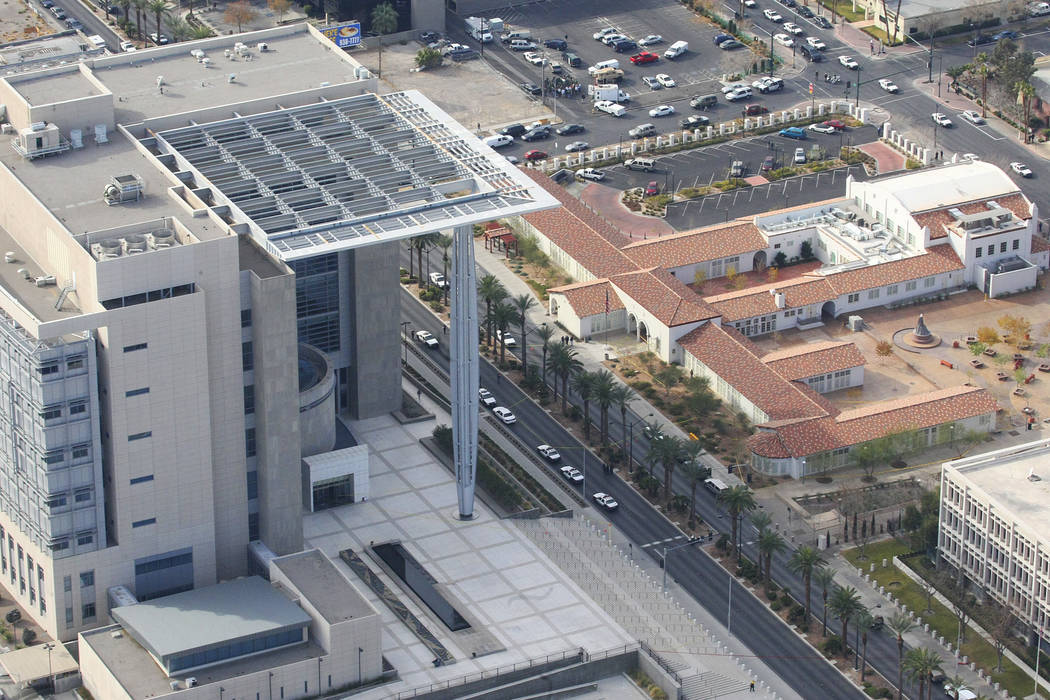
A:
[334,597]
[202,617]
[350,172]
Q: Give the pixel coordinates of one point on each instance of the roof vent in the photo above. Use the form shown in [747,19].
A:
[116,634]
[1032,476]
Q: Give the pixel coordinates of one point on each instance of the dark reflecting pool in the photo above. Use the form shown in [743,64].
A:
[422,584]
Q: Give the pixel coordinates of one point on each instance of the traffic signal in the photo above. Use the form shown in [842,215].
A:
[847,85]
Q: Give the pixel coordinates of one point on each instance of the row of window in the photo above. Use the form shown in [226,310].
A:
[979,250]
[52,369]
[153,295]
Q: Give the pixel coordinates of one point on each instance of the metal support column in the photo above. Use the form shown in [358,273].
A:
[464,366]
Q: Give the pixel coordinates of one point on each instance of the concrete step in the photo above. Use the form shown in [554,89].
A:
[710,685]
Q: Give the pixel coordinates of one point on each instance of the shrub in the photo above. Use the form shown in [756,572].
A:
[747,569]
[436,305]
[797,615]
[443,437]
[776,605]
[641,387]
[832,646]
[28,636]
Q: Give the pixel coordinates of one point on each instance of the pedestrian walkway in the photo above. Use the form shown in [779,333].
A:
[852,35]
[605,201]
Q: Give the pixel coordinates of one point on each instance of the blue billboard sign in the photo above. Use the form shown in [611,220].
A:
[344,35]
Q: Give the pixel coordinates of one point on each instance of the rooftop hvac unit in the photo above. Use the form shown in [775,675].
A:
[116,634]
[174,684]
[45,281]
[40,139]
[856,323]
[191,682]
[161,239]
[107,249]
[9,256]
[362,73]
[23,272]
[135,243]
[261,46]
[121,189]
[197,54]
[205,61]
[231,77]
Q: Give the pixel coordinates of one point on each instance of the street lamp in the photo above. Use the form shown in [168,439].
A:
[973,28]
[360,651]
[630,442]
[50,676]
[405,330]
[665,562]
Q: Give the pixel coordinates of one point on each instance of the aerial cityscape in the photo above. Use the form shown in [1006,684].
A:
[530,350]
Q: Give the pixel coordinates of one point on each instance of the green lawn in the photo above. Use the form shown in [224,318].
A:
[844,8]
[941,619]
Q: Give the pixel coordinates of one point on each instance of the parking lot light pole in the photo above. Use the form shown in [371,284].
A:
[691,542]
[405,325]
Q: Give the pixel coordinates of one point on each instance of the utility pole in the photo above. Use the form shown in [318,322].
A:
[856,102]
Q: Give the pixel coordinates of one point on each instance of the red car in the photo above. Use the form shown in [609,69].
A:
[652,189]
[836,124]
[644,57]
[752,110]
[535,155]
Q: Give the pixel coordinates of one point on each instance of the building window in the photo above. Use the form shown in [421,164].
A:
[979,252]
[88,611]
[141,479]
[249,442]
[48,369]
[143,523]
[1016,244]
[249,399]
[69,616]
[991,249]
[140,436]
[87,579]
[247,359]
[246,318]
[85,539]
[253,485]
[253,526]
[51,412]
[909,286]
[77,407]
[137,346]
[137,392]
[874,293]
[57,500]
[81,452]
[892,290]
[75,363]
[853,298]
[82,496]
[929,282]
[55,457]
[1002,247]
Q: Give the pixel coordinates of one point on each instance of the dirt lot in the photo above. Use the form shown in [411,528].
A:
[472,92]
[18,22]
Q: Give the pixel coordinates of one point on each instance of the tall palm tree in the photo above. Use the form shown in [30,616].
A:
[140,6]
[180,28]
[160,9]
[737,500]
[921,663]
[670,450]
[201,32]
[804,561]
[694,472]
[445,243]
[900,624]
[583,384]
[384,21]
[492,291]
[825,578]
[522,303]
[983,68]
[563,363]
[1026,95]
[845,603]
[769,543]
[604,383]
[622,395]
[503,314]
[864,622]
[124,5]
[761,520]
[422,244]
[545,333]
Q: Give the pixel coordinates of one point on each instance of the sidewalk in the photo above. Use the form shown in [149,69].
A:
[859,41]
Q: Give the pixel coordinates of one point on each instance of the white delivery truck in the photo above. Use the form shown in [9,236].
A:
[676,49]
[613,93]
[479,28]
[610,107]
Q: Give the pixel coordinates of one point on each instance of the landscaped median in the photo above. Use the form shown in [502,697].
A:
[941,619]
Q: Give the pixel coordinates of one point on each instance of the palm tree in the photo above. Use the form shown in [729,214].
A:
[694,473]
[737,500]
[583,384]
[958,684]
[770,543]
[180,28]
[825,578]
[545,334]
[159,8]
[864,622]
[670,451]
[492,291]
[804,561]
[761,520]
[1026,95]
[983,69]
[384,21]
[124,5]
[502,316]
[604,383]
[900,624]
[845,603]
[522,303]
[201,32]
[921,664]
[140,7]
[445,243]
[421,244]
[563,363]
[621,397]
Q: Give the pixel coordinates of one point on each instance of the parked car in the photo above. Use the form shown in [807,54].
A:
[506,338]
[822,128]
[486,397]
[158,39]
[644,57]
[800,156]
[606,501]
[577,146]
[572,474]
[127,46]
[888,85]
[836,124]
[661,111]
[641,131]
[537,134]
[513,130]
[534,58]
[505,415]
[598,35]
[753,110]
[665,80]
[736,170]
[438,280]
[1006,34]
[742,93]
[772,15]
[650,40]
[805,12]
[624,46]
[530,88]
[792,132]
[767,164]
[566,129]
[767,84]
[74,24]
[941,119]
[980,40]
[652,82]
[877,622]
[1021,169]
[793,28]
[58,12]
[652,189]
[427,338]
[590,174]
[609,39]
[535,155]
[822,22]
[549,452]
[972,116]
[556,44]
[695,120]
[726,89]
[730,45]
[720,37]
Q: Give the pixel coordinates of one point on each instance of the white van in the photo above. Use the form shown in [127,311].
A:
[610,108]
[511,36]
[499,140]
[715,486]
[602,65]
[676,49]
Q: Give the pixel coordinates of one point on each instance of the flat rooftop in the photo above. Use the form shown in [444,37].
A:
[321,583]
[61,87]
[1004,476]
[42,53]
[39,301]
[230,610]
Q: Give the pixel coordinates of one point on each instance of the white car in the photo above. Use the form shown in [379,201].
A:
[534,58]
[499,140]
[784,40]
[822,128]
[726,89]
[800,156]
[486,397]
[750,3]
[598,35]
[652,82]
[772,15]
[427,338]
[793,28]
[849,62]
[127,46]
[438,280]
[606,501]
[1021,169]
[608,39]
[739,94]
[816,43]
[506,338]
[505,415]
[650,40]
[941,119]
[577,146]
[972,116]
[888,85]
[549,452]
[665,80]
[572,474]
[767,84]
[964,692]
[970,157]
[661,111]
[590,174]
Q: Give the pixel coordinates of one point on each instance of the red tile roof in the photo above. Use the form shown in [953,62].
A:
[1040,244]
[586,237]
[758,301]
[729,355]
[939,219]
[710,243]
[664,296]
[877,420]
[810,359]
[589,298]
[937,259]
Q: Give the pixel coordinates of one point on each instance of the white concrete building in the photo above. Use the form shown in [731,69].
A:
[993,527]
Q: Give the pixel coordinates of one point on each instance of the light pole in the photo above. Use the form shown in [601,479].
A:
[405,326]
[360,651]
[664,561]
[630,442]
[50,676]
[973,28]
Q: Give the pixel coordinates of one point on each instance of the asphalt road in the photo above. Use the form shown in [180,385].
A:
[92,23]
[752,623]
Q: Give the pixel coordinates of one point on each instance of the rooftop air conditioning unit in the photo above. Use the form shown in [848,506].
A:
[110,248]
[45,280]
[856,323]
[174,684]
[24,273]
[135,243]
[116,634]
[261,46]
[191,682]
[9,256]
[162,238]
[197,54]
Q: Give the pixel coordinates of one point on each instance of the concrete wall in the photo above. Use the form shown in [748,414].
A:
[1011,282]
[375,375]
[97,678]
[317,407]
